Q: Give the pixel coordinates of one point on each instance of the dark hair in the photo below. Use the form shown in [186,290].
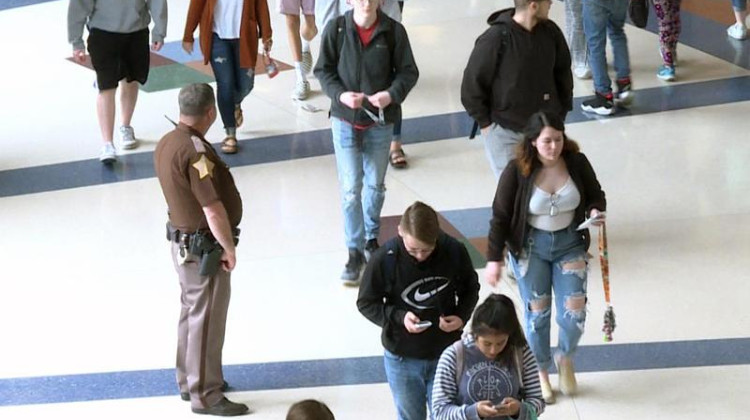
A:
[522,4]
[497,314]
[526,153]
[309,410]
[421,222]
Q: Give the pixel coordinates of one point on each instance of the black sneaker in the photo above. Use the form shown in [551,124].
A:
[223,408]
[600,104]
[370,247]
[625,93]
[353,268]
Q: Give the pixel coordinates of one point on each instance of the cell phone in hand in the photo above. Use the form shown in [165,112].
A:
[588,222]
[423,324]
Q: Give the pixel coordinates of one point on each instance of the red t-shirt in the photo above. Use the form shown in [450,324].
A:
[366,34]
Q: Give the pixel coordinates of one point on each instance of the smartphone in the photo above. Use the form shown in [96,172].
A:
[423,324]
[587,223]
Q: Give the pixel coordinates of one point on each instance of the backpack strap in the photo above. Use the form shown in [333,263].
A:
[503,45]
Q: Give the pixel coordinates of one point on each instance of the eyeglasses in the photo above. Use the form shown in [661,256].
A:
[553,209]
[379,119]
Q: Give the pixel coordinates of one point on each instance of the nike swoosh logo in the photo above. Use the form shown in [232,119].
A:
[421,297]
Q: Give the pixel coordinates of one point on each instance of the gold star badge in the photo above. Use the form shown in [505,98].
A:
[204,167]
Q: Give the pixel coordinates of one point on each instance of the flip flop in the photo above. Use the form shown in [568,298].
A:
[398,158]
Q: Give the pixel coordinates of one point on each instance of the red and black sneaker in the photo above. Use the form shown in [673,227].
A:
[601,104]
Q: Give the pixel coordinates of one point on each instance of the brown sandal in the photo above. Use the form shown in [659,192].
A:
[398,158]
[229,145]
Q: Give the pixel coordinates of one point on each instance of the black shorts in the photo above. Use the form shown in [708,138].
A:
[117,56]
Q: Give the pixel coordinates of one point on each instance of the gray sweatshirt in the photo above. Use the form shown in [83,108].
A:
[122,16]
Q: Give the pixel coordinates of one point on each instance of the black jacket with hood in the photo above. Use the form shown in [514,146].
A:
[513,73]
[368,69]
[395,283]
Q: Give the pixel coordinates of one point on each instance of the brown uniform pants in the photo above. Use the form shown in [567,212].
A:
[203,317]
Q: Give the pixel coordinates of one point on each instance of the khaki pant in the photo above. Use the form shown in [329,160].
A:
[203,317]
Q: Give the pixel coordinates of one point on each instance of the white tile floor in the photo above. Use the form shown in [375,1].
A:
[88,286]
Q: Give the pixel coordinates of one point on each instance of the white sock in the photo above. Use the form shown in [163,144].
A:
[305,45]
[298,70]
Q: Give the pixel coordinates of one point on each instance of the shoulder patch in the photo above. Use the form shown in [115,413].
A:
[198,144]
[204,167]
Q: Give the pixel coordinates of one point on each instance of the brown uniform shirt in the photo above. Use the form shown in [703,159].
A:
[193,176]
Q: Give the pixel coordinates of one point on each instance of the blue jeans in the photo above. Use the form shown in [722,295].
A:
[361,160]
[500,145]
[547,264]
[602,18]
[410,381]
[233,83]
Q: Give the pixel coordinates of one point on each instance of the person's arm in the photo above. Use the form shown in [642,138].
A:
[195,10]
[158,11]
[373,301]
[479,75]
[405,68]
[502,211]
[532,391]
[563,74]
[79,12]
[595,198]
[326,69]
[468,290]
[264,23]
[218,223]
[445,391]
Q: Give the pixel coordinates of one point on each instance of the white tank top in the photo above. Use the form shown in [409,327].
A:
[556,211]
[227,19]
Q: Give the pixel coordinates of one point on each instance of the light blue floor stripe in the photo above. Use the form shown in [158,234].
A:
[352,371]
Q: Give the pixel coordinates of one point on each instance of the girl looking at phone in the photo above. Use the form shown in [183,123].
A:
[491,373]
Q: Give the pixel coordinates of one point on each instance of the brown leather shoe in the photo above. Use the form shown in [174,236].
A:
[229,145]
[223,408]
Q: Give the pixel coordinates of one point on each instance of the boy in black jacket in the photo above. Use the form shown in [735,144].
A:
[367,68]
[422,275]
[520,65]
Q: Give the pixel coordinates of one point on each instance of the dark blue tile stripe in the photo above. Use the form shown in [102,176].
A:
[352,371]
[317,143]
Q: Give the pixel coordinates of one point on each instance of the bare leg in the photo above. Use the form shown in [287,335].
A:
[105,112]
[295,43]
[741,16]
[128,98]
[309,30]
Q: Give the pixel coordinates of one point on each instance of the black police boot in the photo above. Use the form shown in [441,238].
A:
[223,408]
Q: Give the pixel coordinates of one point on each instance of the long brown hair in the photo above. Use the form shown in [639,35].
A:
[527,154]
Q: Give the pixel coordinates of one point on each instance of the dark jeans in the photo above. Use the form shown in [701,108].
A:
[233,83]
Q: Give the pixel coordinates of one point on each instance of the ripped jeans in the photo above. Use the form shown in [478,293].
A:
[361,160]
[552,262]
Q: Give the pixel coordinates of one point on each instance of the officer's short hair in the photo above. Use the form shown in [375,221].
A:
[195,100]
[421,222]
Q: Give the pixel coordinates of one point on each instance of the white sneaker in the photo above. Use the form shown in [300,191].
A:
[737,31]
[127,138]
[301,90]
[307,62]
[582,72]
[108,154]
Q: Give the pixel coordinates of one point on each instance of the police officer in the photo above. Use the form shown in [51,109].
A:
[204,211]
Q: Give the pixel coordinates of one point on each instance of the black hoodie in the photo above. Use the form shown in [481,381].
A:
[395,283]
[533,73]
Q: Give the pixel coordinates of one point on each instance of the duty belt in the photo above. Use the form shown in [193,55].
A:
[176,235]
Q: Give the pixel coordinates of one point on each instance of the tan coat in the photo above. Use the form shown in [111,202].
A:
[255,23]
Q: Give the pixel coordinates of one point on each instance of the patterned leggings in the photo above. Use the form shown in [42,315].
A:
[668,14]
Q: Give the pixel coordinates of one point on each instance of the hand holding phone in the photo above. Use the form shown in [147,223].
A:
[423,324]
[600,216]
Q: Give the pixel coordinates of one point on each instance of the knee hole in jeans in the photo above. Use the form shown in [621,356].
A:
[577,267]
